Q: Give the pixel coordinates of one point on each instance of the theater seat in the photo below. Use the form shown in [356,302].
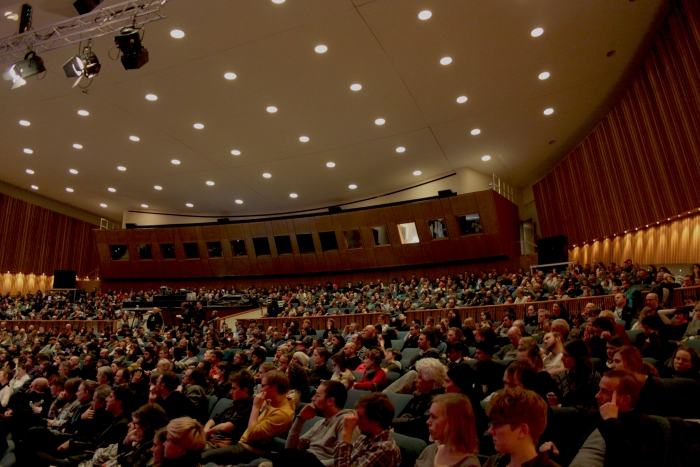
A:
[682,398]
[411,448]
[397,344]
[400,401]
[212,403]
[694,343]
[353,396]
[221,405]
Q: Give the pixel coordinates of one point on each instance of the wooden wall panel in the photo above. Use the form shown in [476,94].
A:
[629,171]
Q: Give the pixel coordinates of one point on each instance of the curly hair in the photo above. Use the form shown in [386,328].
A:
[430,369]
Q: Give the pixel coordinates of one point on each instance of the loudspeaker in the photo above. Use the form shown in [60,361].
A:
[223,220]
[130,226]
[64,279]
[335,209]
[86,6]
[552,250]
[446,193]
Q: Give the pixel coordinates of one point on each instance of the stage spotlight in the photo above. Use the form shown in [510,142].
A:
[134,55]
[30,66]
[85,64]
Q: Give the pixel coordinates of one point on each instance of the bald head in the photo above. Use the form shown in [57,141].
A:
[39,385]
[514,335]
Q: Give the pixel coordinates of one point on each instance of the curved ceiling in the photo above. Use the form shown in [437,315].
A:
[380,44]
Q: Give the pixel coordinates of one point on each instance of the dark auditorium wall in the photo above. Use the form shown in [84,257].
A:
[35,240]
[640,164]
[498,241]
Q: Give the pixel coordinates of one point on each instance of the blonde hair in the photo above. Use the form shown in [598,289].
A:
[607,314]
[187,433]
[470,323]
[460,430]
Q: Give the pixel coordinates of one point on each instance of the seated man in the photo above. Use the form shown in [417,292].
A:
[263,426]
[175,403]
[427,340]
[375,447]
[510,350]
[518,418]
[227,428]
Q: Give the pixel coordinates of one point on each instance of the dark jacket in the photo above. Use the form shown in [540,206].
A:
[502,460]
[412,420]
[318,374]
[177,405]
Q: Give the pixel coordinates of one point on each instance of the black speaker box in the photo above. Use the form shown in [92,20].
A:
[335,209]
[86,6]
[552,250]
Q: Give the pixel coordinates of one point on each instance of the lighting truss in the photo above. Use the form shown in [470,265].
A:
[97,23]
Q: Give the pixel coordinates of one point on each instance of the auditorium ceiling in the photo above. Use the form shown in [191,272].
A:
[586,47]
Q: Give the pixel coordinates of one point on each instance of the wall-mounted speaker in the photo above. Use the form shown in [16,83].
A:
[552,250]
[335,209]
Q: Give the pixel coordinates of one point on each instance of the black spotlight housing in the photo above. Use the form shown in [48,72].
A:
[86,6]
[134,54]
[85,64]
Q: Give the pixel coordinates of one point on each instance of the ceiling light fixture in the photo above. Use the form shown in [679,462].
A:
[31,65]
[86,64]
[475,131]
[445,60]
[121,168]
[198,126]
[158,187]
[272,109]
[134,55]
[144,205]
[425,14]
[134,138]
[380,121]
[544,75]
[78,146]
[330,164]
[210,183]
[239,201]
[352,187]
[236,152]
[30,171]
[175,162]
[293,195]
[151,97]
[83,113]
[321,49]
[230,76]
[28,151]
[537,32]
[24,123]
[112,190]
[34,187]
[267,175]
[69,190]
[417,172]
[549,111]
[304,139]
[486,158]
[278,2]
[355,87]
[73,171]
[177,34]
[401,149]
[103,205]
[462,99]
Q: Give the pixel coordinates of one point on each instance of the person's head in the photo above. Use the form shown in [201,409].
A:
[431,375]
[185,437]
[330,397]
[514,335]
[274,383]
[148,419]
[166,383]
[520,375]
[242,385]
[451,422]
[6,375]
[118,400]
[373,360]
[685,358]
[484,351]
[623,385]
[375,412]
[628,358]
[301,359]
[576,355]
[86,390]
[320,356]
[391,355]
[652,301]
[518,418]
[456,351]
[349,350]
[561,326]
[552,340]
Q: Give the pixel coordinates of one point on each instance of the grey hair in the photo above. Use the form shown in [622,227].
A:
[431,369]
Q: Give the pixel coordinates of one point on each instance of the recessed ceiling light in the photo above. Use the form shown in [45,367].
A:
[175,162]
[445,60]
[34,187]
[486,158]
[462,99]
[158,187]
[236,152]
[69,190]
[475,131]
[121,168]
[24,123]
[278,1]
[198,126]
[239,201]
[330,164]
[401,149]
[267,175]
[189,205]
[380,121]
[177,34]
[78,146]
[537,32]
[293,195]
[210,183]
[549,111]
[83,113]
[544,75]
[134,138]
[355,87]
[352,187]
[144,205]
[425,14]
[73,171]
[30,171]
[321,49]
[272,109]
[230,75]
[304,139]
[103,205]
[151,97]
[28,151]
[417,172]
[112,190]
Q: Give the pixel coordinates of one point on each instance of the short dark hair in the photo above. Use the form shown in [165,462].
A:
[485,347]
[198,378]
[337,391]
[244,380]
[514,406]
[278,379]
[629,385]
[653,321]
[259,352]
[430,335]
[603,323]
[123,393]
[457,347]
[378,408]
[170,380]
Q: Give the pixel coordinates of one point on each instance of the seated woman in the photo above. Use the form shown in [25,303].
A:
[374,378]
[298,384]
[543,383]
[652,396]
[428,383]
[451,427]
[578,383]
[184,443]
[685,363]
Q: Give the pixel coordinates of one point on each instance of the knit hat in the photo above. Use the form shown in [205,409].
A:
[303,358]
